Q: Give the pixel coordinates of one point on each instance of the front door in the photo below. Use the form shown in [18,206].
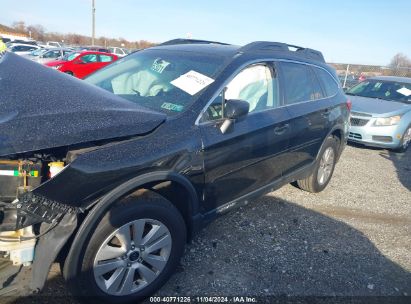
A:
[249,155]
[88,63]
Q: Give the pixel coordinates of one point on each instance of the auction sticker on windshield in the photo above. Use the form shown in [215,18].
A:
[404,91]
[192,82]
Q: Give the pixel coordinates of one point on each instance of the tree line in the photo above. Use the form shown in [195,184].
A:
[39,33]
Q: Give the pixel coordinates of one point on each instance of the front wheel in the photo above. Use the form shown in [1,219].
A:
[132,252]
[405,141]
[324,168]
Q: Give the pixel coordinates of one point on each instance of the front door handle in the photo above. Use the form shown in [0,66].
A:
[281,129]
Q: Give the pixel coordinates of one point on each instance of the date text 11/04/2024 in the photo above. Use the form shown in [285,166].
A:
[204,299]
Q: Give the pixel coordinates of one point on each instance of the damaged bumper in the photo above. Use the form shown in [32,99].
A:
[28,254]
[32,209]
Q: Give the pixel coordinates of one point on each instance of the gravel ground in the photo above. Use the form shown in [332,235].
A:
[353,239]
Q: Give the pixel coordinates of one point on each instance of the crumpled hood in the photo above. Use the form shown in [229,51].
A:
[377,107]
[41,108]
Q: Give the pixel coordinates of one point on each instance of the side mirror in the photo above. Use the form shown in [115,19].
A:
[236,108]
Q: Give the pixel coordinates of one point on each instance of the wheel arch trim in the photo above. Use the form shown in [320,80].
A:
[101,206]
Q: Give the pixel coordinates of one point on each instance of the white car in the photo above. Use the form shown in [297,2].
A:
[54,44]
[120,52]
[22,49]
[51,54]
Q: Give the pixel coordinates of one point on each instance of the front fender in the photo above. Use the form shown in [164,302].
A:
[103,205]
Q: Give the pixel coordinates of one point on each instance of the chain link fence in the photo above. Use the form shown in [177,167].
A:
[351,74]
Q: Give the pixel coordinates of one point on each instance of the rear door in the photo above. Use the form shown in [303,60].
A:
[249,155]
[308,108]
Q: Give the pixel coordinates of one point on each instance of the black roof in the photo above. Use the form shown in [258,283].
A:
[253,47]
[217,49]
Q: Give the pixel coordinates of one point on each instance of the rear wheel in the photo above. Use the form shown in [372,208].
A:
[324,168]
[405,141]
[69,73]
[132,252]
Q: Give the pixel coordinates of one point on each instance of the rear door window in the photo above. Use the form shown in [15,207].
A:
[299,83]
[327,81]
[89,58]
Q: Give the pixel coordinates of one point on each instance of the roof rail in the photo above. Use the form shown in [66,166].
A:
[279,46]
[190,41]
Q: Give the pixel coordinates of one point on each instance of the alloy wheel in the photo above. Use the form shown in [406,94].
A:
[132,257]
[326,166]
[406,139]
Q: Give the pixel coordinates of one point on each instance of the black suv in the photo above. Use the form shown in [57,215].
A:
[112,175]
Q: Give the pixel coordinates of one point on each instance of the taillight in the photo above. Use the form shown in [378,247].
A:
[349,105]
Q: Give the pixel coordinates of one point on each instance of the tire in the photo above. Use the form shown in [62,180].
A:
[129,273]
[314,183]
[69,73]
[405,141]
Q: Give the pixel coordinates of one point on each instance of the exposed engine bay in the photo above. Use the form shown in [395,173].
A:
[21,211]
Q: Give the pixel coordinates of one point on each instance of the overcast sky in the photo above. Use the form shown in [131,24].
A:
[347,31]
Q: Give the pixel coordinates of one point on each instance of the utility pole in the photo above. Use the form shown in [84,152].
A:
[93,34]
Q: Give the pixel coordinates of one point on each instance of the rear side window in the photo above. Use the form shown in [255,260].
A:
[106,58]
[327,81]
[89,58]
[299,83]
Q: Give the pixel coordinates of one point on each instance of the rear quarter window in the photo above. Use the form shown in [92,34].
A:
[327,81]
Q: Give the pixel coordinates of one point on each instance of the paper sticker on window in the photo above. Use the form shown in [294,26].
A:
[159,65]
[192,82]
[172,107]
[404,91]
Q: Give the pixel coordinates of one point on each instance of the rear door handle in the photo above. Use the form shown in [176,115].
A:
[281,129]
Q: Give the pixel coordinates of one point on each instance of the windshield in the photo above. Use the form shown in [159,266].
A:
[70,56]
[161,80]
[381,89]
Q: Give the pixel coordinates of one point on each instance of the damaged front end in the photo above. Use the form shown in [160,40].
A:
[22,211]
[43,128]
[33,228]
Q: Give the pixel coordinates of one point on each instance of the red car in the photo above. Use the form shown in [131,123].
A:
[81,64]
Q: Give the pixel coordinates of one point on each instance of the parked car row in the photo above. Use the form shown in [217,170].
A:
[46,55]
[23,47]
[81,64]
